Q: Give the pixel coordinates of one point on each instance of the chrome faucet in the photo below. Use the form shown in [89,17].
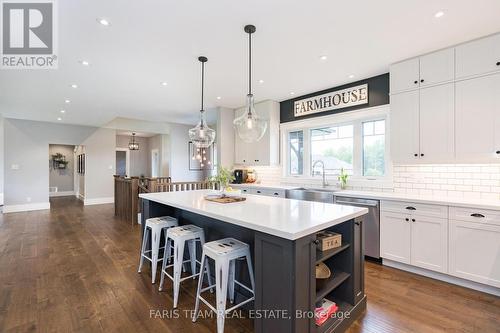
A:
[325,184]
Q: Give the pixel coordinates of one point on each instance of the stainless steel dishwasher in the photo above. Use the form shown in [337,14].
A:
[371,222]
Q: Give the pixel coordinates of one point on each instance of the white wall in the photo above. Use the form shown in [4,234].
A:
[26,165]
[1,159]
[62,179]
[225,137]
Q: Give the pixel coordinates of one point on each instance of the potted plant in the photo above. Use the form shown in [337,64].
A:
[343,179]
[224,177]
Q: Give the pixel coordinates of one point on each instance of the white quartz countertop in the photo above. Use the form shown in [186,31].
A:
[286,218]
[448,201]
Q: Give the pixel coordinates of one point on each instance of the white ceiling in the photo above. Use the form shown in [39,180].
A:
[153,41]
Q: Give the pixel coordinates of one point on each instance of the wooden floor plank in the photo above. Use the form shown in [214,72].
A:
[74,269]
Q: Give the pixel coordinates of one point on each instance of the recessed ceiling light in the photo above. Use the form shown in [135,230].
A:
[84,62]
[323,57]
[59,118]
[67,101]
[218,97]
[63,111]
[164,83]
[103,21]
[292,93]
[74,86]
[439,14]
[351,76]
[261,81]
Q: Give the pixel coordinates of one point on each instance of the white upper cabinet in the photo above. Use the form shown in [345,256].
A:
[478,118]
[430,69]
[478,57]
[265,152]
[437,123]
[437,67]
[404,126]
[422,125]
[405,75]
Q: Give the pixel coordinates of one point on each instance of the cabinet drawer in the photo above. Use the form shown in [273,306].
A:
[412,208]
[475,215]
[269,192]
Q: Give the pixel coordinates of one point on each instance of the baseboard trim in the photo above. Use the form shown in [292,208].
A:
[98,201]
[26,207]
[443,277]
[62,194]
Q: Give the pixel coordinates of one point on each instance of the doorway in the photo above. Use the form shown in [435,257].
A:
[122,162]
[61,170]
[155,163]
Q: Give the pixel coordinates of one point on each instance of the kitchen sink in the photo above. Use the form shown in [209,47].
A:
[311,194]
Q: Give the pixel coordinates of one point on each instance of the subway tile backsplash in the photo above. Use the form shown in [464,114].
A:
[475,181]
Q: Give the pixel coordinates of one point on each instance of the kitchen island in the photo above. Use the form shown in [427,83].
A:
[282,237]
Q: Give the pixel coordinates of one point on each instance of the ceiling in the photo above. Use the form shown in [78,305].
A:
[154,41]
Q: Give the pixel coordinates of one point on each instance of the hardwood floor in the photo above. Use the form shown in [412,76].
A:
[74,269]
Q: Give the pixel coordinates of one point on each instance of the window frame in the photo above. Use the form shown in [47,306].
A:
[355,118]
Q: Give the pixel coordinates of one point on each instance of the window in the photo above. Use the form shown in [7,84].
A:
[296,153]
[333,146]
[374,148]
[356,142]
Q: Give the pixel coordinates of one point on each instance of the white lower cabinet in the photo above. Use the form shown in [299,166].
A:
[475,251]
[429,243]
[415,240]
[395,237]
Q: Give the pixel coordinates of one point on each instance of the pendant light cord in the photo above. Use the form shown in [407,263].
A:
[249,63]
[202,83]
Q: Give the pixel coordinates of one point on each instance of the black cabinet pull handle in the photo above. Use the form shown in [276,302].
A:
[477,215]
[407,219]
[357,223]
[411,208]
[422,155]
[498,63]
[316,241]
[498,152]
[276,193]
[258,192]
[422,80]
[413,220]
[415,82]
[416,155]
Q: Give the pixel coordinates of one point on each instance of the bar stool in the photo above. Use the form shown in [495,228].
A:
[224,252]
[155,226]
[179,236]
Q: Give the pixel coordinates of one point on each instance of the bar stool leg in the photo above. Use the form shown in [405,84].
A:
[250,271]
[232,264]
[143,248]
[221,279]
[209,277]
[178,259]
[155,245]
[200,285]
[166,257]
[192,256]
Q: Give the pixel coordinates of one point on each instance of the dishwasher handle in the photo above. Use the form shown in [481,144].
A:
[356,203]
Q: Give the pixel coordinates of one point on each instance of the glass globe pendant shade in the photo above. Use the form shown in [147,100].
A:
[202,136]
[249,126]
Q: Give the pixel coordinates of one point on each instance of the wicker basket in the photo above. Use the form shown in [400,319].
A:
[323,273]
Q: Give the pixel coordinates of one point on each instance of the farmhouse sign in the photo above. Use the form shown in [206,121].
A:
[333,100]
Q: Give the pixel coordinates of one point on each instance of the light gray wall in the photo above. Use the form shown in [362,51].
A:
[225,137]
[139,159]
[179,155]
[27,146]
[63,179]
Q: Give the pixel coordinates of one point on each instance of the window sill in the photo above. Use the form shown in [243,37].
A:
[356,183]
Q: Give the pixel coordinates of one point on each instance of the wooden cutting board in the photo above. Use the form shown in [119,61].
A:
[225,200]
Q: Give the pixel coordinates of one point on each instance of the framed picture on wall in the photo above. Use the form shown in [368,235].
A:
[200,158]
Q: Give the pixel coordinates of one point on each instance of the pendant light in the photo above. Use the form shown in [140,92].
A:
[133,145]
[202,136]
[249,126]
